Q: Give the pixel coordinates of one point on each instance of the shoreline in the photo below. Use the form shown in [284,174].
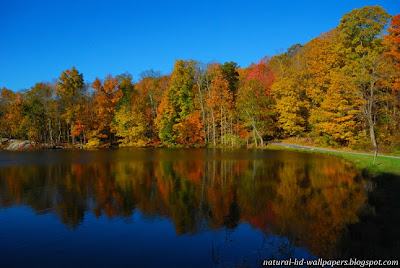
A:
[363,161]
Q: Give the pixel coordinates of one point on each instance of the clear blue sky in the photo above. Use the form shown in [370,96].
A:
[40,39]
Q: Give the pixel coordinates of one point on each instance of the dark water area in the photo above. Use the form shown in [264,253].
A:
[176,207]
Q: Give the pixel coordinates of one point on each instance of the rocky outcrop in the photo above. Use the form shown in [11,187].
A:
[16,145]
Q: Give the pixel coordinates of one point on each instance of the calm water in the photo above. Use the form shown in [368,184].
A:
[174,207]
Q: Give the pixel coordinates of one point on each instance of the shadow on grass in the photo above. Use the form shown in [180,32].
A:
[377,234]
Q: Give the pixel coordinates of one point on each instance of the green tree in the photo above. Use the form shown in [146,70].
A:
[230,73]
[38,113]
[177,102]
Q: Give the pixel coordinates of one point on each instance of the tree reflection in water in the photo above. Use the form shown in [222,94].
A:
[308,199]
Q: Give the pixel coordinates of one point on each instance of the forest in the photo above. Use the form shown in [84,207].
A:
[341,89]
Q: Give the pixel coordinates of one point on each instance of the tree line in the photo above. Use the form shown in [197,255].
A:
[339,89]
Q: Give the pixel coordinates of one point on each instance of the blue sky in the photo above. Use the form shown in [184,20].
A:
[40,39]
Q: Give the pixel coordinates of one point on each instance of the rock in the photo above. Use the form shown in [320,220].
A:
[19,145]
[15,145]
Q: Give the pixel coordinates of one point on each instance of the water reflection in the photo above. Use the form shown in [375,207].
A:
[309,199]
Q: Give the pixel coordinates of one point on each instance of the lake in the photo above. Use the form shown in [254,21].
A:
[175,207]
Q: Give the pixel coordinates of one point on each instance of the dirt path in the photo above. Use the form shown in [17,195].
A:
[322,149]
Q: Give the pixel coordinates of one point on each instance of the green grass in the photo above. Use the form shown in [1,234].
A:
[382,164]
[363,162]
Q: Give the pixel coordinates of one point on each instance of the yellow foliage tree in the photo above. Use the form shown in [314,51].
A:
[289,90]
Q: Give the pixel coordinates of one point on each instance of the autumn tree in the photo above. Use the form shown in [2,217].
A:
[255,102]
[219,101]
[7,97]
[130,117]
[189,131]
[151,90]
[362,45]
[333,103]
[289,90]
[202,80]
[231,74]
[69,89]
[334,120]
[107,96]
[177,103]
[392,41]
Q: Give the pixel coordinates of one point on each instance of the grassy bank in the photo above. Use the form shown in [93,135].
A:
[364,163]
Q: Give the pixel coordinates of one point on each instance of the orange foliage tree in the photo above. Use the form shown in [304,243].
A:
[107,95]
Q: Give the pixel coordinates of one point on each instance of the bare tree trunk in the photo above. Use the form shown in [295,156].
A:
[368,112]
[231,131]
[202,109]
[59,131]
[222,135]
[208,127]
[152,105]
[212,110]
[67,130]
[255,130]
[372,136]
[371,91]
[255,138]
[258,134]
[213,123]
[51,133]
[225,131]
[73,132]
